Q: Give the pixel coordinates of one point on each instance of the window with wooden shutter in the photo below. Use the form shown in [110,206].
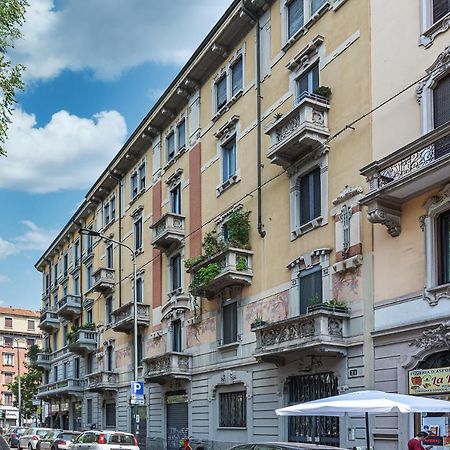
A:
[310,289]
[440,9]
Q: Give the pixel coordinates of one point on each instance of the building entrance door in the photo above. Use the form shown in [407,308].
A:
[177,419]
[320,430]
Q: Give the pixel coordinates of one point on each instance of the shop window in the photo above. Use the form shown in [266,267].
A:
[233,409]
[229,323]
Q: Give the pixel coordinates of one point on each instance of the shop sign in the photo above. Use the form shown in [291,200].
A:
[54,407]
[429,381]
[434,440]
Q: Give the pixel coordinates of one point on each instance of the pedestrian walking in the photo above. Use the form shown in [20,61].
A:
[416,442]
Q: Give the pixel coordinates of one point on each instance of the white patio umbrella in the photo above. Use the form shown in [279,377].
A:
[367,402]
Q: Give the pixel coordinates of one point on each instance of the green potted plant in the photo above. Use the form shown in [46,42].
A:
[330,305]
[323,91]
[257,322]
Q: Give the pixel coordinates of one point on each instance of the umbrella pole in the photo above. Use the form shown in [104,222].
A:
[367,432]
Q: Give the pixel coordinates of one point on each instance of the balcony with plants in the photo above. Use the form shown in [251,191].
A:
[102,381]
[301,130]
[124,317]
[69,307]
[168,231]
[323,329]
[404,174]
[38,358]
[172,366]
[49,320]
[226,262]
[103,280]
[83,339]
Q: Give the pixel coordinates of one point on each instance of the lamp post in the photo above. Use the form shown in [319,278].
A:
[88,232]
[19,384]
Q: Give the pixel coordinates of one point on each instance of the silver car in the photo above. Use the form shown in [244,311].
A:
[57,440]
[31,437]
[105,440]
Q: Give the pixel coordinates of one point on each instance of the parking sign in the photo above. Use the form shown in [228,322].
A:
[137,389]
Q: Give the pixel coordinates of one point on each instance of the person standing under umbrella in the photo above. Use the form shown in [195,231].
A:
[416,442]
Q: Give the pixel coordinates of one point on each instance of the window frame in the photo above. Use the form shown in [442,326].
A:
[170,152]
[9,324]
[431,28]
[225,158]
[181,143]
[178,286]
[175,199]
[312,271]
[225,326]
[140,289]
[176,336]
[243,395]
[239,61]
[109,254]
[138,237]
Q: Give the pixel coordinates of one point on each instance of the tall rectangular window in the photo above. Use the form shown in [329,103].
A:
[110,415]
[89,410]
[236,77]
[106,214]
[65,264]
[8,377]
[30,342]
[109,256]
[440,9]
[89,276]
[310,196]
[316,5]
[65,330]
[181,134]
[221,92]
[310,289]
[109,310]
[55,300]
[140,290]
[229,323]
[444,245]
[170,145]
[55,341]
[31,325]
[139,349]
[176,336]
[112,204]
[8,359]
[89,363]
[138,234]
[134,185]
[90,241]
[229,160]
[142,176]
[76,369]
[175,272]
[175,199]
[55,274]
[65,370]
[8,398]
[296,16]
[47,282]
[233,409]
[308,82]
[76,253]
[109,358]
[8,322]
[76,285]
[8,341]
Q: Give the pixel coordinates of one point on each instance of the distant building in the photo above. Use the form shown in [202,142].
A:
[18,331]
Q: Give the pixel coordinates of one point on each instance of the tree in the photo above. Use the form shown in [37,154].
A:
[12,16]
[29,387]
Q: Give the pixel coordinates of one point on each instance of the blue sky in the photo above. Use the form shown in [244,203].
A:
[94,69]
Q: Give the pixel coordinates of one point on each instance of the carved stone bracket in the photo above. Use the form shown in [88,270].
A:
[430,35]
[433,295]
[434,338]
[388,214]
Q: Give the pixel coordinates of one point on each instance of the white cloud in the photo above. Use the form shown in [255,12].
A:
[32,238]
[111,36]
[69,152]
[4,279]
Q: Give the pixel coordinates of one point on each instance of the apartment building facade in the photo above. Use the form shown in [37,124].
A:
[18,332]
[241,200]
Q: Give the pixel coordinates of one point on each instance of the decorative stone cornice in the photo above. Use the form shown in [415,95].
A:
[175,178]
[219,50]
[429,36]
[227,128]
[388,214]
[303,57]
[437,202]
[435,294]
[347,193]
[434,338]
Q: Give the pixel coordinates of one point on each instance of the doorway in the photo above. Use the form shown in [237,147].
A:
[177,419]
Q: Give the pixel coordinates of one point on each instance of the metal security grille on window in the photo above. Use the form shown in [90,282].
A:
[229,160]
[233,409]
[230,323]
[221,93]
[296,16]
[323,430]
[441,104]
[310,289]
[236,77]
[440,9]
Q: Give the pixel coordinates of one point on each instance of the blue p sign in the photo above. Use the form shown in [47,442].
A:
[137,388]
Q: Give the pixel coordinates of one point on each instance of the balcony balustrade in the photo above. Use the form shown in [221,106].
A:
[320,331]
[235,269]
[168,231]
[83,341]
[303,129]
[168,367]
[406,173]
[43,361]
[69,307]
[124,317]
[63,388]
[103,280]
[102,381]
[49,321]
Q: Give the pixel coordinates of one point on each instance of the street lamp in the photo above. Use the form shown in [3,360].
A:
[19,383]
[88,232]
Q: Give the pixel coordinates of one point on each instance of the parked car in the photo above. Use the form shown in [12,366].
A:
[12,435]
[31,436]
[57,440]
[285,446]
[105,440]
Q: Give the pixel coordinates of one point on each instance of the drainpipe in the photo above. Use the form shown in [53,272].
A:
[255,19]
[119,199]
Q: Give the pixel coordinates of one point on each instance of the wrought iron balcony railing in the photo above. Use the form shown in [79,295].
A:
[319,331]
[303,129]
[406,173]
[167,367]
[124,317]
[102,381]
[168,231]
[69,307]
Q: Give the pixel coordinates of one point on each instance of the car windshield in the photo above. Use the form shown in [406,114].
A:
[42,433]
[67,436]
[124,439]
[19,430]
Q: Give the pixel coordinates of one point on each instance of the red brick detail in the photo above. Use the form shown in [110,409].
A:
[352,251]
[195,200]
[157,260]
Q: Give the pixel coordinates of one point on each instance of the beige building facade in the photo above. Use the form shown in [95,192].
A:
[260,281]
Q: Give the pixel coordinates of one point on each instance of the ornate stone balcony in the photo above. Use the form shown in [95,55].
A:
[43,361]
[49,321]
[406,173]
[301,130]
[168,367]
[102,381]
[83,341]
[68,387]
[103,280]
[124,317]
[321,331]
[168,231]
[69,307]
[235,269]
